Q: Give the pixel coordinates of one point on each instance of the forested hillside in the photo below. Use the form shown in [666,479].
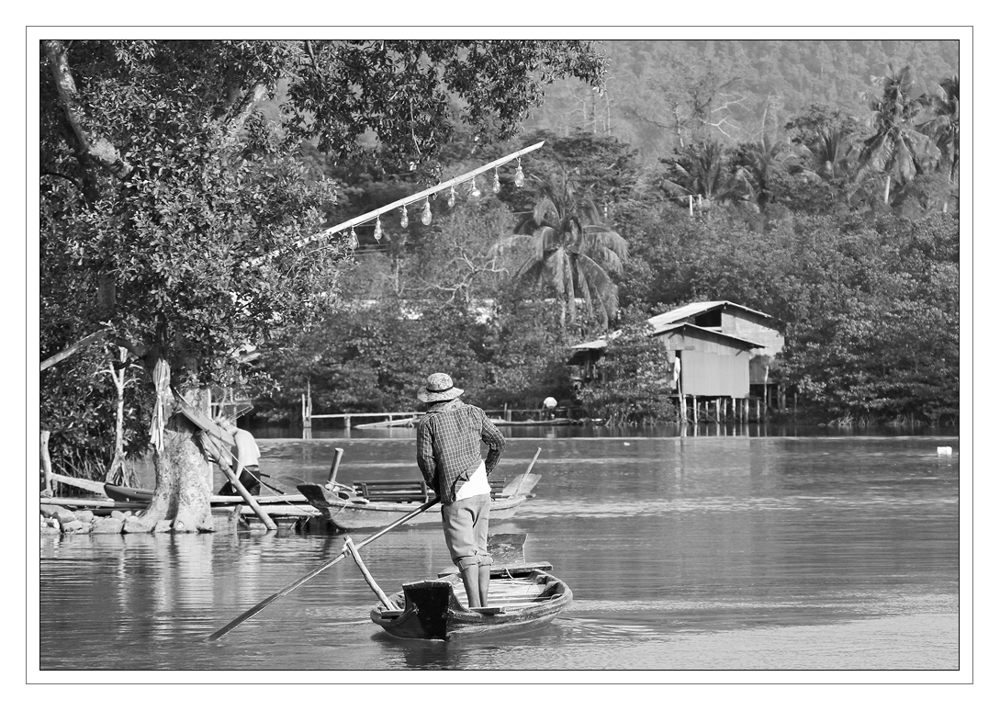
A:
[662,94]
[815,181]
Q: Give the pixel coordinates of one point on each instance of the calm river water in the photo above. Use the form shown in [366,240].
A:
[696,553]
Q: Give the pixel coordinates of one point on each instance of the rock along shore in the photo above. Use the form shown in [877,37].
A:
[54,520]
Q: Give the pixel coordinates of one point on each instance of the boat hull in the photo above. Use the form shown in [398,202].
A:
[352,516]
[132,495]
[436,609]
[352,513]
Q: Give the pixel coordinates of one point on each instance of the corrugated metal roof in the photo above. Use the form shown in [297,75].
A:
[694,309]
[599,343]
[673,319]
[716,332]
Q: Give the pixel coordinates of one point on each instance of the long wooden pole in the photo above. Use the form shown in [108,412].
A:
[349,547]
[403,202]
[338,454]
[247,496]
[306,578]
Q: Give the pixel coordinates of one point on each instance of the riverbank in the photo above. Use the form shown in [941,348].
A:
[55,520]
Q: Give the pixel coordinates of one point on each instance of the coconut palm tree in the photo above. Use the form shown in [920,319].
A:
[829,155]
[573,249]
[942,124]
[702,169]
[896,148]
[758,165]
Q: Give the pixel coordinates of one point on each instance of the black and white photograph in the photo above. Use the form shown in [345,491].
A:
[483,355]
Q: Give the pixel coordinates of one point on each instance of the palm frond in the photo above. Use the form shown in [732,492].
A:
[599,285]
[607,238]
[546,212]
[526,226]
[531,272]
[589,212]
[546,241]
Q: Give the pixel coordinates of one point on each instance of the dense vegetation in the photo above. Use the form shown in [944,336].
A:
[747,171]
[175,205]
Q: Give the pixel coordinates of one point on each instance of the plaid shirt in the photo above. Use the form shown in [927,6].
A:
[448,450]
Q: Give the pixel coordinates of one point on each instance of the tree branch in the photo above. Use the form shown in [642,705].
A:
[67,352]
[56,174]
[92,148]
[244,108]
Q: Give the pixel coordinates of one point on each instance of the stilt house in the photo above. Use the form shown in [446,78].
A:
[717,349]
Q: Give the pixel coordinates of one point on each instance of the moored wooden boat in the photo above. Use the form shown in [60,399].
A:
[130,494]
[347,510]
[500,422]
[405,422]
[522,597]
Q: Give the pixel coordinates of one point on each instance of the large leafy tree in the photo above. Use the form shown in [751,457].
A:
[570,247]
[173,199]
[896,150]
[635,383]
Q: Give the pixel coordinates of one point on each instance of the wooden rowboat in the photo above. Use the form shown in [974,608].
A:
[349,508]
[130,494]
[522,597]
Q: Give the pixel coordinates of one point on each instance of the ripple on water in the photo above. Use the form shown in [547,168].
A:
[723,553]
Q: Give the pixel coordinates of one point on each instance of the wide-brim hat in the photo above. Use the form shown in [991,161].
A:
[438,389]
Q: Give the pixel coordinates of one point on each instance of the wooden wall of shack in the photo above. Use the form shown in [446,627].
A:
[711,364]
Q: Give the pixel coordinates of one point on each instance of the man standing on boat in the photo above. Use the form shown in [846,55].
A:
[450,459]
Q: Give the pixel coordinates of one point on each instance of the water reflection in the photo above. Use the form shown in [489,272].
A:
[695,552]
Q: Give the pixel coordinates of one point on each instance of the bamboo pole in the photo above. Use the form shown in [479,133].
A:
[338,454]
[247,496]
[312,574]
[352,550]
[402,202]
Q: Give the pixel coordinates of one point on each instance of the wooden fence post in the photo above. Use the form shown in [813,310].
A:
[46,460]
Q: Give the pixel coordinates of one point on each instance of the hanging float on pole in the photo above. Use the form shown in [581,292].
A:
[408,200]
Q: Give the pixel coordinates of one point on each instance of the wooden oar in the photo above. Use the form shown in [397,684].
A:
[288,588]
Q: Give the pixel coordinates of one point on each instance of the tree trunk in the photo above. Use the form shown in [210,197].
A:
[117,463]
[888,182]
[182,494]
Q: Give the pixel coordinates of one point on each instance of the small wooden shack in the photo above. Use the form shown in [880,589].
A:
[712,364]
[724,349]
[734,320]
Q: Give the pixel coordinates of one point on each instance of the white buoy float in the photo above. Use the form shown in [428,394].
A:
[944,451]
